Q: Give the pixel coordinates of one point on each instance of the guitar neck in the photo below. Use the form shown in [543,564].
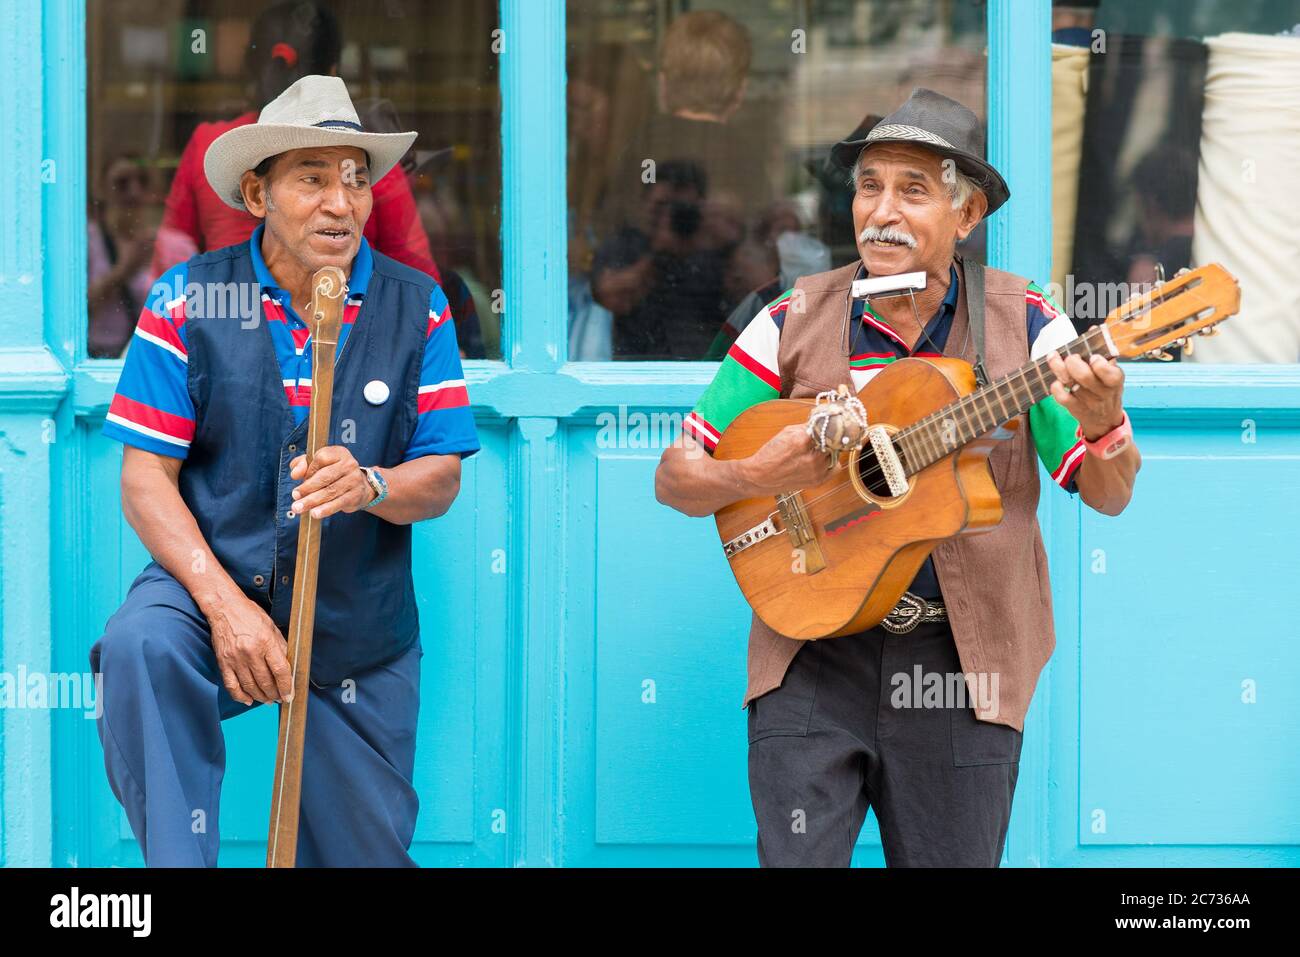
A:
[939,434]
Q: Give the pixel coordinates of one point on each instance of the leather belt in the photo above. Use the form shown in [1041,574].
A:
[911,611]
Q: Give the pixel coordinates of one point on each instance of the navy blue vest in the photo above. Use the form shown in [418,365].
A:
[236,477]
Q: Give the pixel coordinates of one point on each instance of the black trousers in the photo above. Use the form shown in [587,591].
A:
[851,727]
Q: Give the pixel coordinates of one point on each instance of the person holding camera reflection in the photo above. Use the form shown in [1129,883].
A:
[690,182]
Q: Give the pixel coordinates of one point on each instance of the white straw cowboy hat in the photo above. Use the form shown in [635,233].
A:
[314,111]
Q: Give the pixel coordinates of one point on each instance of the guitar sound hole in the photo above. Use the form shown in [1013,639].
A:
[873,477]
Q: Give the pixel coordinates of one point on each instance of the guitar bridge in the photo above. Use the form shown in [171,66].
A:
[752,537]
[800,529]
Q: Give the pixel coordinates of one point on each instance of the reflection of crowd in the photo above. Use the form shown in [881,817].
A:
[686,225]
[119,244]
[287,41]
[683,223]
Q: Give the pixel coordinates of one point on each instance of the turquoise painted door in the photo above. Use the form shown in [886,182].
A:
[584,646]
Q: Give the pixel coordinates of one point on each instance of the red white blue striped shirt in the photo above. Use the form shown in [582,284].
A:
[152,408]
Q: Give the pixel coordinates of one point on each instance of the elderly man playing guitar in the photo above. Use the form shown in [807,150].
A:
[213,410]
[830,733]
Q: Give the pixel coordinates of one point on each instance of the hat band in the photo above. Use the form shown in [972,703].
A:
[898,131]
[345,124]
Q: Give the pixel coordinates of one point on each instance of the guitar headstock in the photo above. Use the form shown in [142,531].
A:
[1189,304]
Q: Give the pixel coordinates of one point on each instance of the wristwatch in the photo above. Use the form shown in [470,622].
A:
[377,483]
[1112,443]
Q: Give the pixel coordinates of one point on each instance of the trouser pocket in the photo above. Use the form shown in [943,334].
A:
[788,709]
[981,742]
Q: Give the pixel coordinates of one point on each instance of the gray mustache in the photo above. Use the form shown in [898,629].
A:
[887,234]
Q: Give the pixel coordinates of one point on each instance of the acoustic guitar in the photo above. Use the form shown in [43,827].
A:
[836,558]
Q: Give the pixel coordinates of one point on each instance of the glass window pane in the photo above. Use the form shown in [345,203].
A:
[700,184]
[165,78]
[1177,143]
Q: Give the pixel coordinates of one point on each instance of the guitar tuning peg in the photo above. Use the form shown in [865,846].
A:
[1188,346]
[1161,355]
[1209,331]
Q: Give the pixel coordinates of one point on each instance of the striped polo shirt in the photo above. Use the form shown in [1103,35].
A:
[152,408]
[749,374]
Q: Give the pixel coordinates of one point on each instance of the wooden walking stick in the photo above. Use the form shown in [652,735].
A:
[328,285]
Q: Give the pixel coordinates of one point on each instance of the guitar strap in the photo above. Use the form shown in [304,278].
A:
[973,276]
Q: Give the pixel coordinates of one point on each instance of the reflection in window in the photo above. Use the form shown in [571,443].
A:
[166,78]
[1175,136]
[700,185]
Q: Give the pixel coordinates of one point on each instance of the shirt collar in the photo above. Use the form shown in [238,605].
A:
[362,266]
[950,300]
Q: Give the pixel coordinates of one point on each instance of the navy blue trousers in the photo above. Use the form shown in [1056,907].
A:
[163,704]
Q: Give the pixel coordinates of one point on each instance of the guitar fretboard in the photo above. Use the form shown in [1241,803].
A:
[928,440]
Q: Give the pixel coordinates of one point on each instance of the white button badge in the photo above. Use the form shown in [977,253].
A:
[376,392]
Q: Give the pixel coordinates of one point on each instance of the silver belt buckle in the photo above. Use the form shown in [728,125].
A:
[906,615]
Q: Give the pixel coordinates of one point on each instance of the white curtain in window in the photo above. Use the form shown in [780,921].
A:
[1248,193]
[1069,94]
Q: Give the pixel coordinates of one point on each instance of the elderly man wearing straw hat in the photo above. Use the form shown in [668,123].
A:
[844,724]
[212,408]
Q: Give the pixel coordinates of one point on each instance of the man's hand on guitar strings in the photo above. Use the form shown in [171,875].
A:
[787,462]
[1092,391]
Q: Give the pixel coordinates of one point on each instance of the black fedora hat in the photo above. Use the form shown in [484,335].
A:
[938,123]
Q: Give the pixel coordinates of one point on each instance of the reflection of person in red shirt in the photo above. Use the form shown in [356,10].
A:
[289,41]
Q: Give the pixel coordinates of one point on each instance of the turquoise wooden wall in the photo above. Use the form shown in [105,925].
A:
[584,647]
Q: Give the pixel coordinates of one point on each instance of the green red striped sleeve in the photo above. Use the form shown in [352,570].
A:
[1053,428]
[748,375]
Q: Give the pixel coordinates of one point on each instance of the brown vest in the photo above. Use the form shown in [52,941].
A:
[994,583]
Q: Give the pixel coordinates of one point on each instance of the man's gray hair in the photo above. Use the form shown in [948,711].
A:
[960,186]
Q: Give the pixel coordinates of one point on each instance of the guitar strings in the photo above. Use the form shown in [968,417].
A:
[875,472]
[1063,352]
